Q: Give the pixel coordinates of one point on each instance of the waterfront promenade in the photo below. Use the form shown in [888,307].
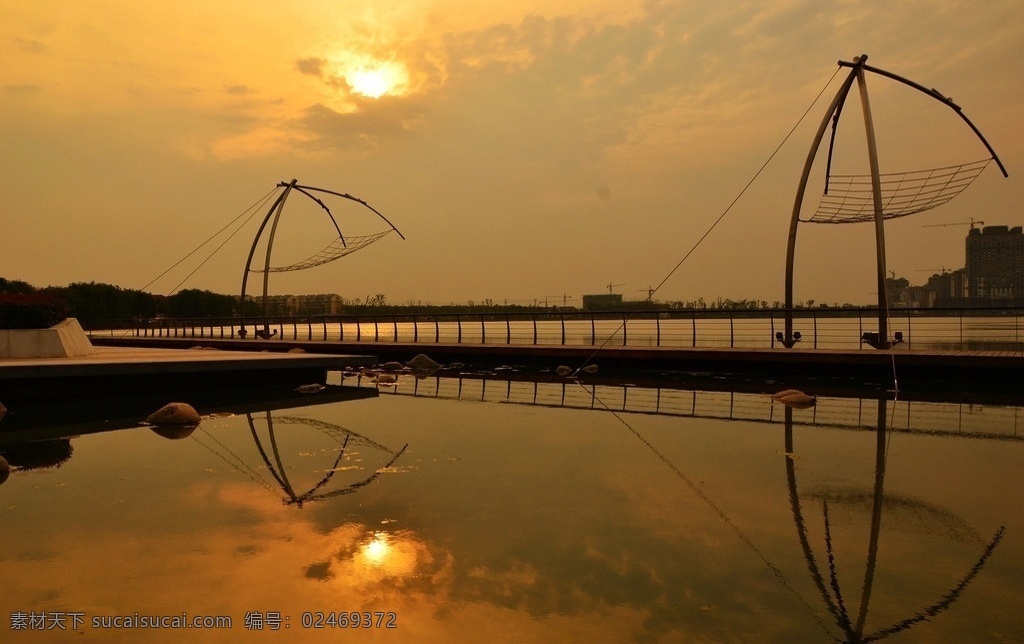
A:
[127,371]
[981,371]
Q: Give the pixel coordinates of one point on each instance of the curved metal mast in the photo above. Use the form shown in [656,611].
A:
[275,212]
[857,68]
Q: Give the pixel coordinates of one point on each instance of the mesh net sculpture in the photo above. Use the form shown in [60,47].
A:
[336,249]
[875,196]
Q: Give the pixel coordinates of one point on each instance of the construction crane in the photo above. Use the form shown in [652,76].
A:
[648,290]
[565,299]
[971,223]
[610,286]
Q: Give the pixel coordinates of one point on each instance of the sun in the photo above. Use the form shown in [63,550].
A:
[375,79]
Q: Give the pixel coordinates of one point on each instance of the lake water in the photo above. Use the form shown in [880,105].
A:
[468,510]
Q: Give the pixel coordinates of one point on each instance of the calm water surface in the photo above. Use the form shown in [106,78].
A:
[459,515]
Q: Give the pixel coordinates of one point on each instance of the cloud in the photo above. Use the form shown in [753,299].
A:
[311,66]
[372,122]
[31,46]
[23,89]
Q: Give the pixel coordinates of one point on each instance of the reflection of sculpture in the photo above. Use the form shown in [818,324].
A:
[344,437]
[853,627]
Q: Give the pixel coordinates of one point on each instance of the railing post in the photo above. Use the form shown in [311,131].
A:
[376,330]
[693,317]
[458,322]
[359,331]
[593,330]
[483,330]
[624,319]
[561,320]
[814,322]
[508,329]
[657,326]
[533,318]
[771,319]
[394,320]
[415,330]
[437,330]
[732,331]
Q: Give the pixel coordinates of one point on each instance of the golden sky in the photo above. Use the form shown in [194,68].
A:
[526,151]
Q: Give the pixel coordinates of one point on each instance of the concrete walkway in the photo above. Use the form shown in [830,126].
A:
[124,370]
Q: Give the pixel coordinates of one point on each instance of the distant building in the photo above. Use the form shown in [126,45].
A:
[321,304]
[280,304]
[292,305]
[602,301]
[993,274]
[995,264]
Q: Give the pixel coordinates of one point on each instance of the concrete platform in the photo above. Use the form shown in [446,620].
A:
[129,370]
[967,371]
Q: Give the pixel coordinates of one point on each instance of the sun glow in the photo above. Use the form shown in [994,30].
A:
[375,78]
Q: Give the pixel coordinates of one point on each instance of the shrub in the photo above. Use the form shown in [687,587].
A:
[31,311]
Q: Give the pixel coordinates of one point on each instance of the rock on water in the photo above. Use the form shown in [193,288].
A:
[422,362]
[174,413]
[795,398]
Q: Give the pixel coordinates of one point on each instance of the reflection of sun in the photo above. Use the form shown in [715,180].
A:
[376,551]
[389,554]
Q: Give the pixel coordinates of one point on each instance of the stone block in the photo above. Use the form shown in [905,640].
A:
[63,340]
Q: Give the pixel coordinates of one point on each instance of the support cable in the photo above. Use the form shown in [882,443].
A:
[714,224]
[777,572]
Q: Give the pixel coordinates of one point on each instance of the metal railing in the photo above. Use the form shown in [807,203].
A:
[956,329]
[948,419]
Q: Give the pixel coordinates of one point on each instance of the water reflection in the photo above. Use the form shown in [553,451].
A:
[320,489]
[38,435]
[852,625]
[527,511]
[961,416]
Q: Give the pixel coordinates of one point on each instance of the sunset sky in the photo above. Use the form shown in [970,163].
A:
[527,150]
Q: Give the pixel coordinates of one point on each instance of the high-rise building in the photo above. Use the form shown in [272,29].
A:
[995,265]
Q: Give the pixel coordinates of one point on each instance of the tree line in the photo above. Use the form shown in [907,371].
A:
[94,303]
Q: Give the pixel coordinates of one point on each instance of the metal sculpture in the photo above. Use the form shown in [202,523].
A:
[877,196]
[337,249]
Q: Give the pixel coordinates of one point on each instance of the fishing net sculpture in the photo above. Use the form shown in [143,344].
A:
[339,247]
[877,196]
